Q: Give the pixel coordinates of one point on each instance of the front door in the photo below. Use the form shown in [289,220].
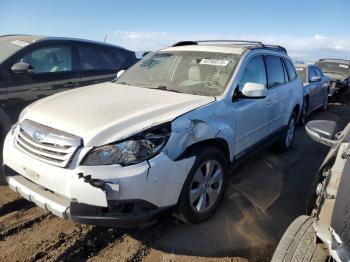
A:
[53,71]
[251,115]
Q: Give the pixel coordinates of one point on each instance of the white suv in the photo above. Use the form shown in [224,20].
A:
[161,137]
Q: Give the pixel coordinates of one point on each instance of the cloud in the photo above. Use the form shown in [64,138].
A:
[304,48]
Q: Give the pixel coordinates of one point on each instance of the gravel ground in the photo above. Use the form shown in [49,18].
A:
[264,195]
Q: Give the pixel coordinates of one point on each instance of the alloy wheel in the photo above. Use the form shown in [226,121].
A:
[206,186]
[290,132]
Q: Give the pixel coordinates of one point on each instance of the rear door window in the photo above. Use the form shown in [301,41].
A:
[96,58]
[311,72]
[275,71]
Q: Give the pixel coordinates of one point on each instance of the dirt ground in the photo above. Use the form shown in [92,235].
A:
[264,195]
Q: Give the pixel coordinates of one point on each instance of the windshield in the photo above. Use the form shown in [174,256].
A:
[9,46]
[302,73]
[190,72]
[334,68]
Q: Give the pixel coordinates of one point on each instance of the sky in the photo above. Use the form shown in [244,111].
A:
[309,29]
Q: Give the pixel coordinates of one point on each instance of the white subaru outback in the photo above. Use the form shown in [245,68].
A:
[161,137]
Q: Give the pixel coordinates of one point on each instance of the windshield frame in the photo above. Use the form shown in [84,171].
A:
[225,87]
[6,43]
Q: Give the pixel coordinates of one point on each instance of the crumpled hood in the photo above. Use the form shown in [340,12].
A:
[105,113]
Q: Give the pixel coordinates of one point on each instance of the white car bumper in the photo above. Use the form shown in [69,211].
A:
[63,191]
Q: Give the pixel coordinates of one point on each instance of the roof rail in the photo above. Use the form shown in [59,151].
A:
[247,43]
[334,59]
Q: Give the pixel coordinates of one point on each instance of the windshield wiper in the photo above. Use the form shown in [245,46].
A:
[124,83]
[165,88]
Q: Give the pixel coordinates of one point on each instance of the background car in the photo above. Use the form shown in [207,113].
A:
[316,86]
[325,235]
[32,67]
[339,72]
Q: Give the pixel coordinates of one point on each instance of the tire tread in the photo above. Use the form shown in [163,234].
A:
[299,244]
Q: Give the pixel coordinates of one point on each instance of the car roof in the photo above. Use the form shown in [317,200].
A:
[36,38]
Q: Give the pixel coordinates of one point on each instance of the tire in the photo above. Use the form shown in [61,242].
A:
[5,126]
[325,104]
[299,243]
[286,140]
[303,115]
[192,212]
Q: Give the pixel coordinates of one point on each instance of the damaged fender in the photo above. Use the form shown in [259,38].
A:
[187,131]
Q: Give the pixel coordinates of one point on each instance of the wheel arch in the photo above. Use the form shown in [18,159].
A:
[218,143]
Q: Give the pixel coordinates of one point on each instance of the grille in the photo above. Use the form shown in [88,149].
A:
[46,144]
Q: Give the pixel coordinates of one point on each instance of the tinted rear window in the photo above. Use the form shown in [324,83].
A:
[275,71]
[96,58]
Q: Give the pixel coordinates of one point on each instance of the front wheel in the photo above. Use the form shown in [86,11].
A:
[204,187]
[299,243]
[287,138]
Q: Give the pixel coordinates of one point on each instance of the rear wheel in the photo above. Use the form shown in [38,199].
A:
[287,138]
[204,187]
[304,112]
[299,243]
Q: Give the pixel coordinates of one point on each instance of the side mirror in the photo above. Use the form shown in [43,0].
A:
[322,131]
[315,79]
[120,73]
[22,68]
[254,90]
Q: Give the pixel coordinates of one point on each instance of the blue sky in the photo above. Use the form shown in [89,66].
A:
[308,28]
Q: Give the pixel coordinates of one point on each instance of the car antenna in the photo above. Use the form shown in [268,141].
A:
[105,38]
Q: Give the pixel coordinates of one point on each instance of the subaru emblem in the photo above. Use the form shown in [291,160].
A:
[38,135]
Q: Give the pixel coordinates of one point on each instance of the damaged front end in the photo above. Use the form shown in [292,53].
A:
[332,210]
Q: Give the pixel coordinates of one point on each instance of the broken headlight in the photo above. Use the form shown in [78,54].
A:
[133,150]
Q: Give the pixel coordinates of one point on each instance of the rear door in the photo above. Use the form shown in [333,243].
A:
[276,74]
[54,70]
[98,64]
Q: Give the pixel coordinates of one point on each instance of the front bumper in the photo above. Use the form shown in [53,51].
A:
[74,194]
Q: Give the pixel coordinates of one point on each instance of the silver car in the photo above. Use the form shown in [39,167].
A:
[325,234]
[316,88]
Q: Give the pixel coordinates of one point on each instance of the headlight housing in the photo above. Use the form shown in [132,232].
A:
[133,150]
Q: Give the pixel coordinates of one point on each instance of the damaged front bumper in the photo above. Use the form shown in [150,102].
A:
[100,195]
[116,214]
